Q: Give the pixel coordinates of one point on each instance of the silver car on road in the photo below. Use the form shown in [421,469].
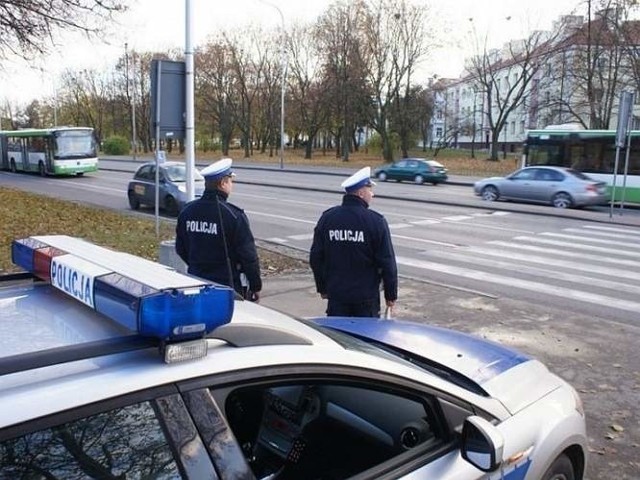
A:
[558,186]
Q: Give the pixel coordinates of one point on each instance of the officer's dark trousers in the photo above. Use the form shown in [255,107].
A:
[369,308]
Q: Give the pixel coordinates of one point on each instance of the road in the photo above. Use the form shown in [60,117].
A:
[578,264]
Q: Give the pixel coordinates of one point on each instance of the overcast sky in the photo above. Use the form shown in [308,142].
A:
[160,24]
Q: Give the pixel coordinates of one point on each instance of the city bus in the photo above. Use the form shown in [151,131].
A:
[590,151]
[49,151]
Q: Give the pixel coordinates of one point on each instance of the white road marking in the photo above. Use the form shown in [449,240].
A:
[554,290]
[542,272]
[564,253]
[577,247]
[590,239]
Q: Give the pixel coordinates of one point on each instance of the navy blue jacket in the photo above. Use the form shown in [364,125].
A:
[352,252]
[200,241]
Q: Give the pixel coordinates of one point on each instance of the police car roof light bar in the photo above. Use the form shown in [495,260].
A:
[146,297]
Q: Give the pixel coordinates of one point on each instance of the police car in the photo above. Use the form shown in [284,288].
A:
[113,366]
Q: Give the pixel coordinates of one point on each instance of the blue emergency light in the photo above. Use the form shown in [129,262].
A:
[146,297]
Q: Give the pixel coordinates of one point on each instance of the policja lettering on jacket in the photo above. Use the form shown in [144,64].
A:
[202,227]
[346,236]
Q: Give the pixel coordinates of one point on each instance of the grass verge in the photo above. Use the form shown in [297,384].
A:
[26,214]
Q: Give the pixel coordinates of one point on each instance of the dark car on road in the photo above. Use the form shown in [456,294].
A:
[417,170]
[172,186]
[558,186]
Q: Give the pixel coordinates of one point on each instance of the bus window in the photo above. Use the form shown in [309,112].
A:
[36,144]
[14,145]
[75,144]
[543,155]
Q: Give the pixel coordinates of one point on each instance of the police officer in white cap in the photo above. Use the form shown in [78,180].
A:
[213,236]
[352,253]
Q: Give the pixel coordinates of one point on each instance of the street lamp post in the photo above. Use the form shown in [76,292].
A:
[283,70]
[134,140]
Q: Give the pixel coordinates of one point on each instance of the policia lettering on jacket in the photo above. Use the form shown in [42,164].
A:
[352,253]
[213,236]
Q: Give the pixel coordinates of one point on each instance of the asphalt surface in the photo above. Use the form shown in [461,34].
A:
[598,356]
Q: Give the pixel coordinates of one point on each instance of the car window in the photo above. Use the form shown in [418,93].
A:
[525,174]
[327,430]
[433,163]
[144,173]
[545,174]
[123,443]
[401,164]
[412,164]
[178,173]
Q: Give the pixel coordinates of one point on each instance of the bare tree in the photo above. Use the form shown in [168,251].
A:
[29,27]
[505,77]
[215,87]
[306,85]
[338,35]
[598,53]
[396,41]
[247,62]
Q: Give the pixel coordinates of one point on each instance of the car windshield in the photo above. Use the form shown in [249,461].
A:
[178,173]
[371,347]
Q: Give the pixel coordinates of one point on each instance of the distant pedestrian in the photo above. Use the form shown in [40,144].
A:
[352,253]
[213,236]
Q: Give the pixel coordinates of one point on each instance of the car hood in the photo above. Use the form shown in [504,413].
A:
[476,364]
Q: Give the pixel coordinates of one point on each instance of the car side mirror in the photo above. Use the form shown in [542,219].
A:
[482,444]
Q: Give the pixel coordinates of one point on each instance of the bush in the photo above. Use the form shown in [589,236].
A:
[115,145]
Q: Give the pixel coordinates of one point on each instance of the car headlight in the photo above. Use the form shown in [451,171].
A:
[182,188]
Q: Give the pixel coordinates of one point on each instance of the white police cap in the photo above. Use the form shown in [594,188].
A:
[358,180]
[218,170]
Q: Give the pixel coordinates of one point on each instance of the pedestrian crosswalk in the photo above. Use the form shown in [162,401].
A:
[593,264]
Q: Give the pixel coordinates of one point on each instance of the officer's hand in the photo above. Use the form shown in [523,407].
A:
[254,297]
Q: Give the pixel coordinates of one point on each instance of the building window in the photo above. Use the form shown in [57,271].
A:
[439,132]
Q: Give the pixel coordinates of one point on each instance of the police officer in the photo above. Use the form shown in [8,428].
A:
[213,236]
[352,253]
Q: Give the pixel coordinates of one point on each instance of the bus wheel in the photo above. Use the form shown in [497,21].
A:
[41,170]
[134,203]
[490,193]
[79,174]
[562,200]
[171,206]
[13,166]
